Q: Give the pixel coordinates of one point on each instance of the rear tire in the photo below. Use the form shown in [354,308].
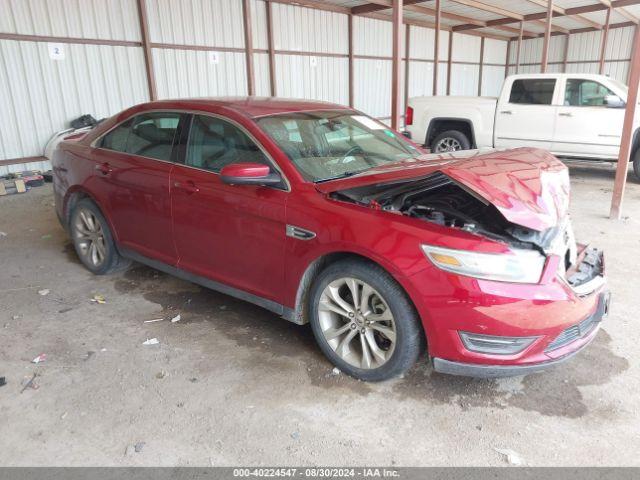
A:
[93,240]
[450,141]
[376,337]
[636,163]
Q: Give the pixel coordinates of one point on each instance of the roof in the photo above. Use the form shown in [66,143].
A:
[250,106]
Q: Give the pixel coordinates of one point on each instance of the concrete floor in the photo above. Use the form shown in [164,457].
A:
[233,384]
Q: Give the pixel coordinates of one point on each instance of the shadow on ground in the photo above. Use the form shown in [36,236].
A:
[553,393]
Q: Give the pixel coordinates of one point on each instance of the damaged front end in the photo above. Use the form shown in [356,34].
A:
[442,200]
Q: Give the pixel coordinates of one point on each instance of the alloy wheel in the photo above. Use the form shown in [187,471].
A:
[89,238]
[448,144]
[357,323]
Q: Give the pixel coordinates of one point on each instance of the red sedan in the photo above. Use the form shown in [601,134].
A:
[324,215]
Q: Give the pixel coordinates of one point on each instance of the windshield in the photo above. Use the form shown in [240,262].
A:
[334,144]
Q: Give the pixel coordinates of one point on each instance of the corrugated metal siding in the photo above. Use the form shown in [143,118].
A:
[192,73]
[259,24]
[464,79]
[103,19]
[39,96]
[215,23]
[318,78]
[492,80]
[466,48]
[531,50]
[261,72]
[422,43]
[420,79]
[620,43]
[583,48]
[372,86]
[374,37]
[495,51]
[308,30]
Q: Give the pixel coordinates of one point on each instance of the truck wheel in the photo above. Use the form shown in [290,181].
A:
[364,322]
[450,141]
[636,164]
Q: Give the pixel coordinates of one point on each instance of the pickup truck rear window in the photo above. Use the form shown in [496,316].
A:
[538,91]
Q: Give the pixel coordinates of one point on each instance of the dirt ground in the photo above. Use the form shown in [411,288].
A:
[233,384]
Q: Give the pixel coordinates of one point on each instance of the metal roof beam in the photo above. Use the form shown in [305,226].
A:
[597,7]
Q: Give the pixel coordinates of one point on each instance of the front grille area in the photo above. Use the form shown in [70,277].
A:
[574,332]
[590,267]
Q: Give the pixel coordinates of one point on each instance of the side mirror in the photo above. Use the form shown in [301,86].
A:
[249,174]
[613,101]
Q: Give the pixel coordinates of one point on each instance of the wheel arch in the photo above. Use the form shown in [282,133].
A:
[71,199]
[317,265]
[438,125]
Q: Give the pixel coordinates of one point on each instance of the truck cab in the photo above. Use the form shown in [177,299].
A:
[572,115]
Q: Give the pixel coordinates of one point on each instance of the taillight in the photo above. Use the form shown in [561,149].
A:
[408,118]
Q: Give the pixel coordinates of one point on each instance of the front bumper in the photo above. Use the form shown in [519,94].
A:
[496,371]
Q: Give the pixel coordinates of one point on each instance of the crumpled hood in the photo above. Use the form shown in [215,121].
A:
[530,187]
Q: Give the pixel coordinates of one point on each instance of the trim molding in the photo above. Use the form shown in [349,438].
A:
[284,312]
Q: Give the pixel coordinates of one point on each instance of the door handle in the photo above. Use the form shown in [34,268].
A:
[566,114]
[188,187]
[104,168]
[506,112]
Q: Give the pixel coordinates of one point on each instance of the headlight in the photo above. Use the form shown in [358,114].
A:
[519,266]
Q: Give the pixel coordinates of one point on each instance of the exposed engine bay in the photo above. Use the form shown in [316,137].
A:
[439,199]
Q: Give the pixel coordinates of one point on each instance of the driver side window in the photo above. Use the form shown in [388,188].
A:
[585,93]
[214,144]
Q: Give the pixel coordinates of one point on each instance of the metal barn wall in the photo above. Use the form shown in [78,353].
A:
[372,47]
[583,53]
[313,60]
[40,94]
[421,50]
[198,49]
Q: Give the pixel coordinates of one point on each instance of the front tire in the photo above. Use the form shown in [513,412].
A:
[450,141]
[636,163]
[364,322]
[93,241]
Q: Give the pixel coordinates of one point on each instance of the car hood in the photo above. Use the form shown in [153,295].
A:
[530,187]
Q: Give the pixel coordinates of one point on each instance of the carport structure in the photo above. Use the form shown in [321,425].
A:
[360,52]
[533,19]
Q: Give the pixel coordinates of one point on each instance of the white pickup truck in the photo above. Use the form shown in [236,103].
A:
[571,115]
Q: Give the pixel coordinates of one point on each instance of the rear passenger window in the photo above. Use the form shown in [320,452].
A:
[214,143]
[116,139]
[152,135]
[537,91]
[148,135]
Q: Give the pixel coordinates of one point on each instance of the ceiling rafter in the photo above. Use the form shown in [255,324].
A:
[597,7]
[578,17]
[622,11]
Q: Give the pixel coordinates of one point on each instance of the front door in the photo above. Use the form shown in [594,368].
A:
[586,126]
[230,234]
[527,116]
[133,166]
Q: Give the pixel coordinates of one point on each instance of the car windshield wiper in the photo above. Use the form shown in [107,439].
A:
[342,175]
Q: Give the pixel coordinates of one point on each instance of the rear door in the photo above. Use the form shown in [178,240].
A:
[526,115]
[233,234]
[133,165]
[586,126]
